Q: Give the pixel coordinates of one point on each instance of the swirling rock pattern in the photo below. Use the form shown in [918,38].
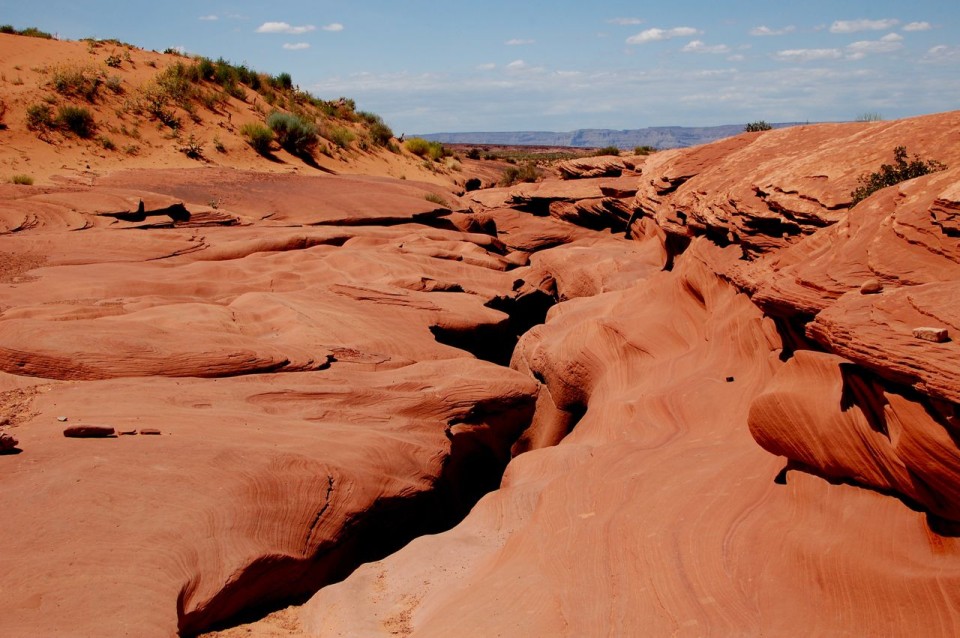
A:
[713,430]
[638,505]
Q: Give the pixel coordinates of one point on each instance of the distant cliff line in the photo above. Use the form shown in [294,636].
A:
[661,137]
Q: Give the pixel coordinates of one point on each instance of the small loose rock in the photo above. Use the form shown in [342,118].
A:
[871,287]
[937,335]
[62,419]
[150,431]
[89,432]
[7,442]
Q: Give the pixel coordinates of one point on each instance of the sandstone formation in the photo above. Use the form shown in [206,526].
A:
[688,400]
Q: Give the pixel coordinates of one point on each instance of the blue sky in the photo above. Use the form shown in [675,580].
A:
[496,65]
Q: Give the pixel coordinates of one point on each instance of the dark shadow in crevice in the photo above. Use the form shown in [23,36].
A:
[479,452]
[792,331]
[936,524]
[675,245]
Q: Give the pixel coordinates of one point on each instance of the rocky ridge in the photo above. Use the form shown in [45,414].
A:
[705,424]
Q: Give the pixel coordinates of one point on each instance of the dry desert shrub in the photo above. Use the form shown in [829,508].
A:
[258,136]
[76,119]
[890,174]
[77,81]
[294,133]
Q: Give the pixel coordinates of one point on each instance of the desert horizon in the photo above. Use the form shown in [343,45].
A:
[272,366]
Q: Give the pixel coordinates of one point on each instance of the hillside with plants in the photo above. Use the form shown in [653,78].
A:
[75,108]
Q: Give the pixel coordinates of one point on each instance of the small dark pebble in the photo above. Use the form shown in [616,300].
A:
[729,379]
[150,431]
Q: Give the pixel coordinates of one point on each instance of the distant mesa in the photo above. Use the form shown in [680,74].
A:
[661,137]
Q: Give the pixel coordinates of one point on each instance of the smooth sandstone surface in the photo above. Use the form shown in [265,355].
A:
[706,428]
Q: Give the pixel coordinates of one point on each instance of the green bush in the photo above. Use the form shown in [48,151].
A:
[258,136]
[756,127]
[23,180]
[115,84]
[418,146]
[283,81]
[606,150]
[77,81]
[644,150]
[433,198]
[473,153]
[193,148]
[891,174]
[339,135]
[381,134]
[76,119]
[528,172]
[39,117]
[176,82]
[293,133]
[205,68]
[437,151]
[31,32]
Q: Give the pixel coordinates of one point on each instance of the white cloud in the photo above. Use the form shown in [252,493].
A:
[853,26]
[296,46]
[917,26]
[517,65]
[518,42]
[763,30]
[333,26]
[489,66]
[943,53]
[210,18]
[697,46]
[283,27]
[737,57]
[626,21]
[887,44]
[654,35]
[808,55]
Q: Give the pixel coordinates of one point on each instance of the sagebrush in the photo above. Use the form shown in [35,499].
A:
[901,170]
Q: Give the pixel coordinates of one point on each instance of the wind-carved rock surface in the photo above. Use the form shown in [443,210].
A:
[310,417]
[639,505]
[709,424]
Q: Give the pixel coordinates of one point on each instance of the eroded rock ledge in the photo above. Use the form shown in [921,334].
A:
[707,427]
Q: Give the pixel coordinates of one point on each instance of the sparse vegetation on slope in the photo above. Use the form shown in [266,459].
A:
[607,150]
[30,32]
[526,172]
[76,119]
[293,133]
[114,99]
[901,170]
[258,136]
[756,127]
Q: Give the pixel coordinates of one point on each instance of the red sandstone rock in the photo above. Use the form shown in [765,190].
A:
[316,363]
[937,335]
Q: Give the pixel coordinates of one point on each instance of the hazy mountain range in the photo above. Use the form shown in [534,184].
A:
[656,136]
